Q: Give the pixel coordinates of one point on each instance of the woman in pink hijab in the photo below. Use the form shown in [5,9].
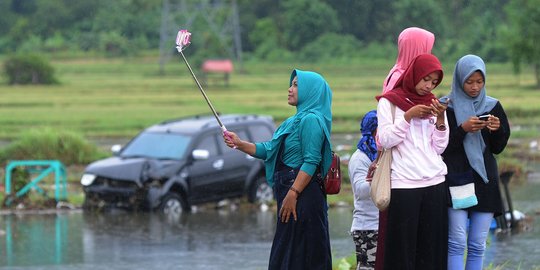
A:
[412,41]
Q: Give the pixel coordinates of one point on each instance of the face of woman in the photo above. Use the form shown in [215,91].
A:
[427,84]
[293,93]
[474,84]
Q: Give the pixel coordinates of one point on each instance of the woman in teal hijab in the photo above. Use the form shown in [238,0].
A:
[298,152]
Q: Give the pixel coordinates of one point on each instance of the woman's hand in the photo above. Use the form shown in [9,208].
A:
[418,111]
[288,207]
[438,108]
[231,139]
[493,123]
[474,124]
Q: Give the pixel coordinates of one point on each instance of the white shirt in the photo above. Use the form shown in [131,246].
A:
[365,213]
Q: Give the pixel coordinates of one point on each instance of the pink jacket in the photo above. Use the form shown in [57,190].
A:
[418,145]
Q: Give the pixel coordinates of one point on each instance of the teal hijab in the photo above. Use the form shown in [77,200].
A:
[314,97]
[466,106]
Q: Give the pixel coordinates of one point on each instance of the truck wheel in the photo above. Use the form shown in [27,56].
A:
[260,191]
[172,203]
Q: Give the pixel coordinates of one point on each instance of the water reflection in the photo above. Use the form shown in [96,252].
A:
[196,240]
[205,240]
[210,239]
[51,239]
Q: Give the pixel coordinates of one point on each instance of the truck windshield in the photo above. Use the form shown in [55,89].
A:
[157,145]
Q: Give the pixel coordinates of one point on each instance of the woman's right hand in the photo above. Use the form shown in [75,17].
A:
[231,139]
[418,111]
[473,124]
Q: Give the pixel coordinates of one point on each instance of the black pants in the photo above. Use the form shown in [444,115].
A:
[417,229]
[305,243]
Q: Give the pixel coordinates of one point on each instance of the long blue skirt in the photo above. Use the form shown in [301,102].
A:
[305,243]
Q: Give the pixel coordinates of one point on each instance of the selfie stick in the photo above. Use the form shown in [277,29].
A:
[182,41]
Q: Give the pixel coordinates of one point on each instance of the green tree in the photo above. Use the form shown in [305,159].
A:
[330,47]
[426,14]
[266,40]
[250,12]
[129,19]
[366,20]
[304,20]
[524,34]
[472,28]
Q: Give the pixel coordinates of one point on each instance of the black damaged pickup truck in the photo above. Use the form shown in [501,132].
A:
[178,163]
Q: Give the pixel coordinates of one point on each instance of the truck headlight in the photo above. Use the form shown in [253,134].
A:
[87,179]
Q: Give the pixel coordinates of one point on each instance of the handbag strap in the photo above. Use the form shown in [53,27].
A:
[393,110]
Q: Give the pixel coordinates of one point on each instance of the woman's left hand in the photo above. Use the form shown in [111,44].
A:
[288,207]
[493,123]
[438,108]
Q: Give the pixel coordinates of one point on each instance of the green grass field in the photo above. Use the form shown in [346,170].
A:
[119,97]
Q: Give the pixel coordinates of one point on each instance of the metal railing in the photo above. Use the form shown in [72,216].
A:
[42,168]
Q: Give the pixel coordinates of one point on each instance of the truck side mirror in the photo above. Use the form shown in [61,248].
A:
[200,154]
[115,149]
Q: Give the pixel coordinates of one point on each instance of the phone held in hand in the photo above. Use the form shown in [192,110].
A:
[444,100]
[484,117]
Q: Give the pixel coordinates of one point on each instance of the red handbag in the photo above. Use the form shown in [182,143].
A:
[332,182]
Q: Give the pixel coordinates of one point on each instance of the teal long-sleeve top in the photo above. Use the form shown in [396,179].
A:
[303,146]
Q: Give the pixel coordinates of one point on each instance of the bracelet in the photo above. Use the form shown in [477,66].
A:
[295,191]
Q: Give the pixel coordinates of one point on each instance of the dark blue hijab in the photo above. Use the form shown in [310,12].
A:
[367,144]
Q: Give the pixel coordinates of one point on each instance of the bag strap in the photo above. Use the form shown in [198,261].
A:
[393,109]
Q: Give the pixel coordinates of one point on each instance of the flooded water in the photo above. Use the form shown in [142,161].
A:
[211,239]
[232,238]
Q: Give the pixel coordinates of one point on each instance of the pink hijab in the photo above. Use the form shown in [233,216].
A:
[412,42]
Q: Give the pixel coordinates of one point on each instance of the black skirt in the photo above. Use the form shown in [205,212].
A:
[305,243]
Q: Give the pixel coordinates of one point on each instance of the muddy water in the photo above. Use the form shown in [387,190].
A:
[207,239]
[231,238]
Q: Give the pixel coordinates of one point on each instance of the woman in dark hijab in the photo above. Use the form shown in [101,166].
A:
[365,214]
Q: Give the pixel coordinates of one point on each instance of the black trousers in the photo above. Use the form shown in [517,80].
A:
[417,229]
[305,243]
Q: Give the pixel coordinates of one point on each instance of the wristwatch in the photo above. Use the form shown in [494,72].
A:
[440,127]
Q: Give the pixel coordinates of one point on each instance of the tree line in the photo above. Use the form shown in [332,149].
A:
[305,30]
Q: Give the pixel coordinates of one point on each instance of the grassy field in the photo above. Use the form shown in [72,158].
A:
[102,98]
[118,97]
